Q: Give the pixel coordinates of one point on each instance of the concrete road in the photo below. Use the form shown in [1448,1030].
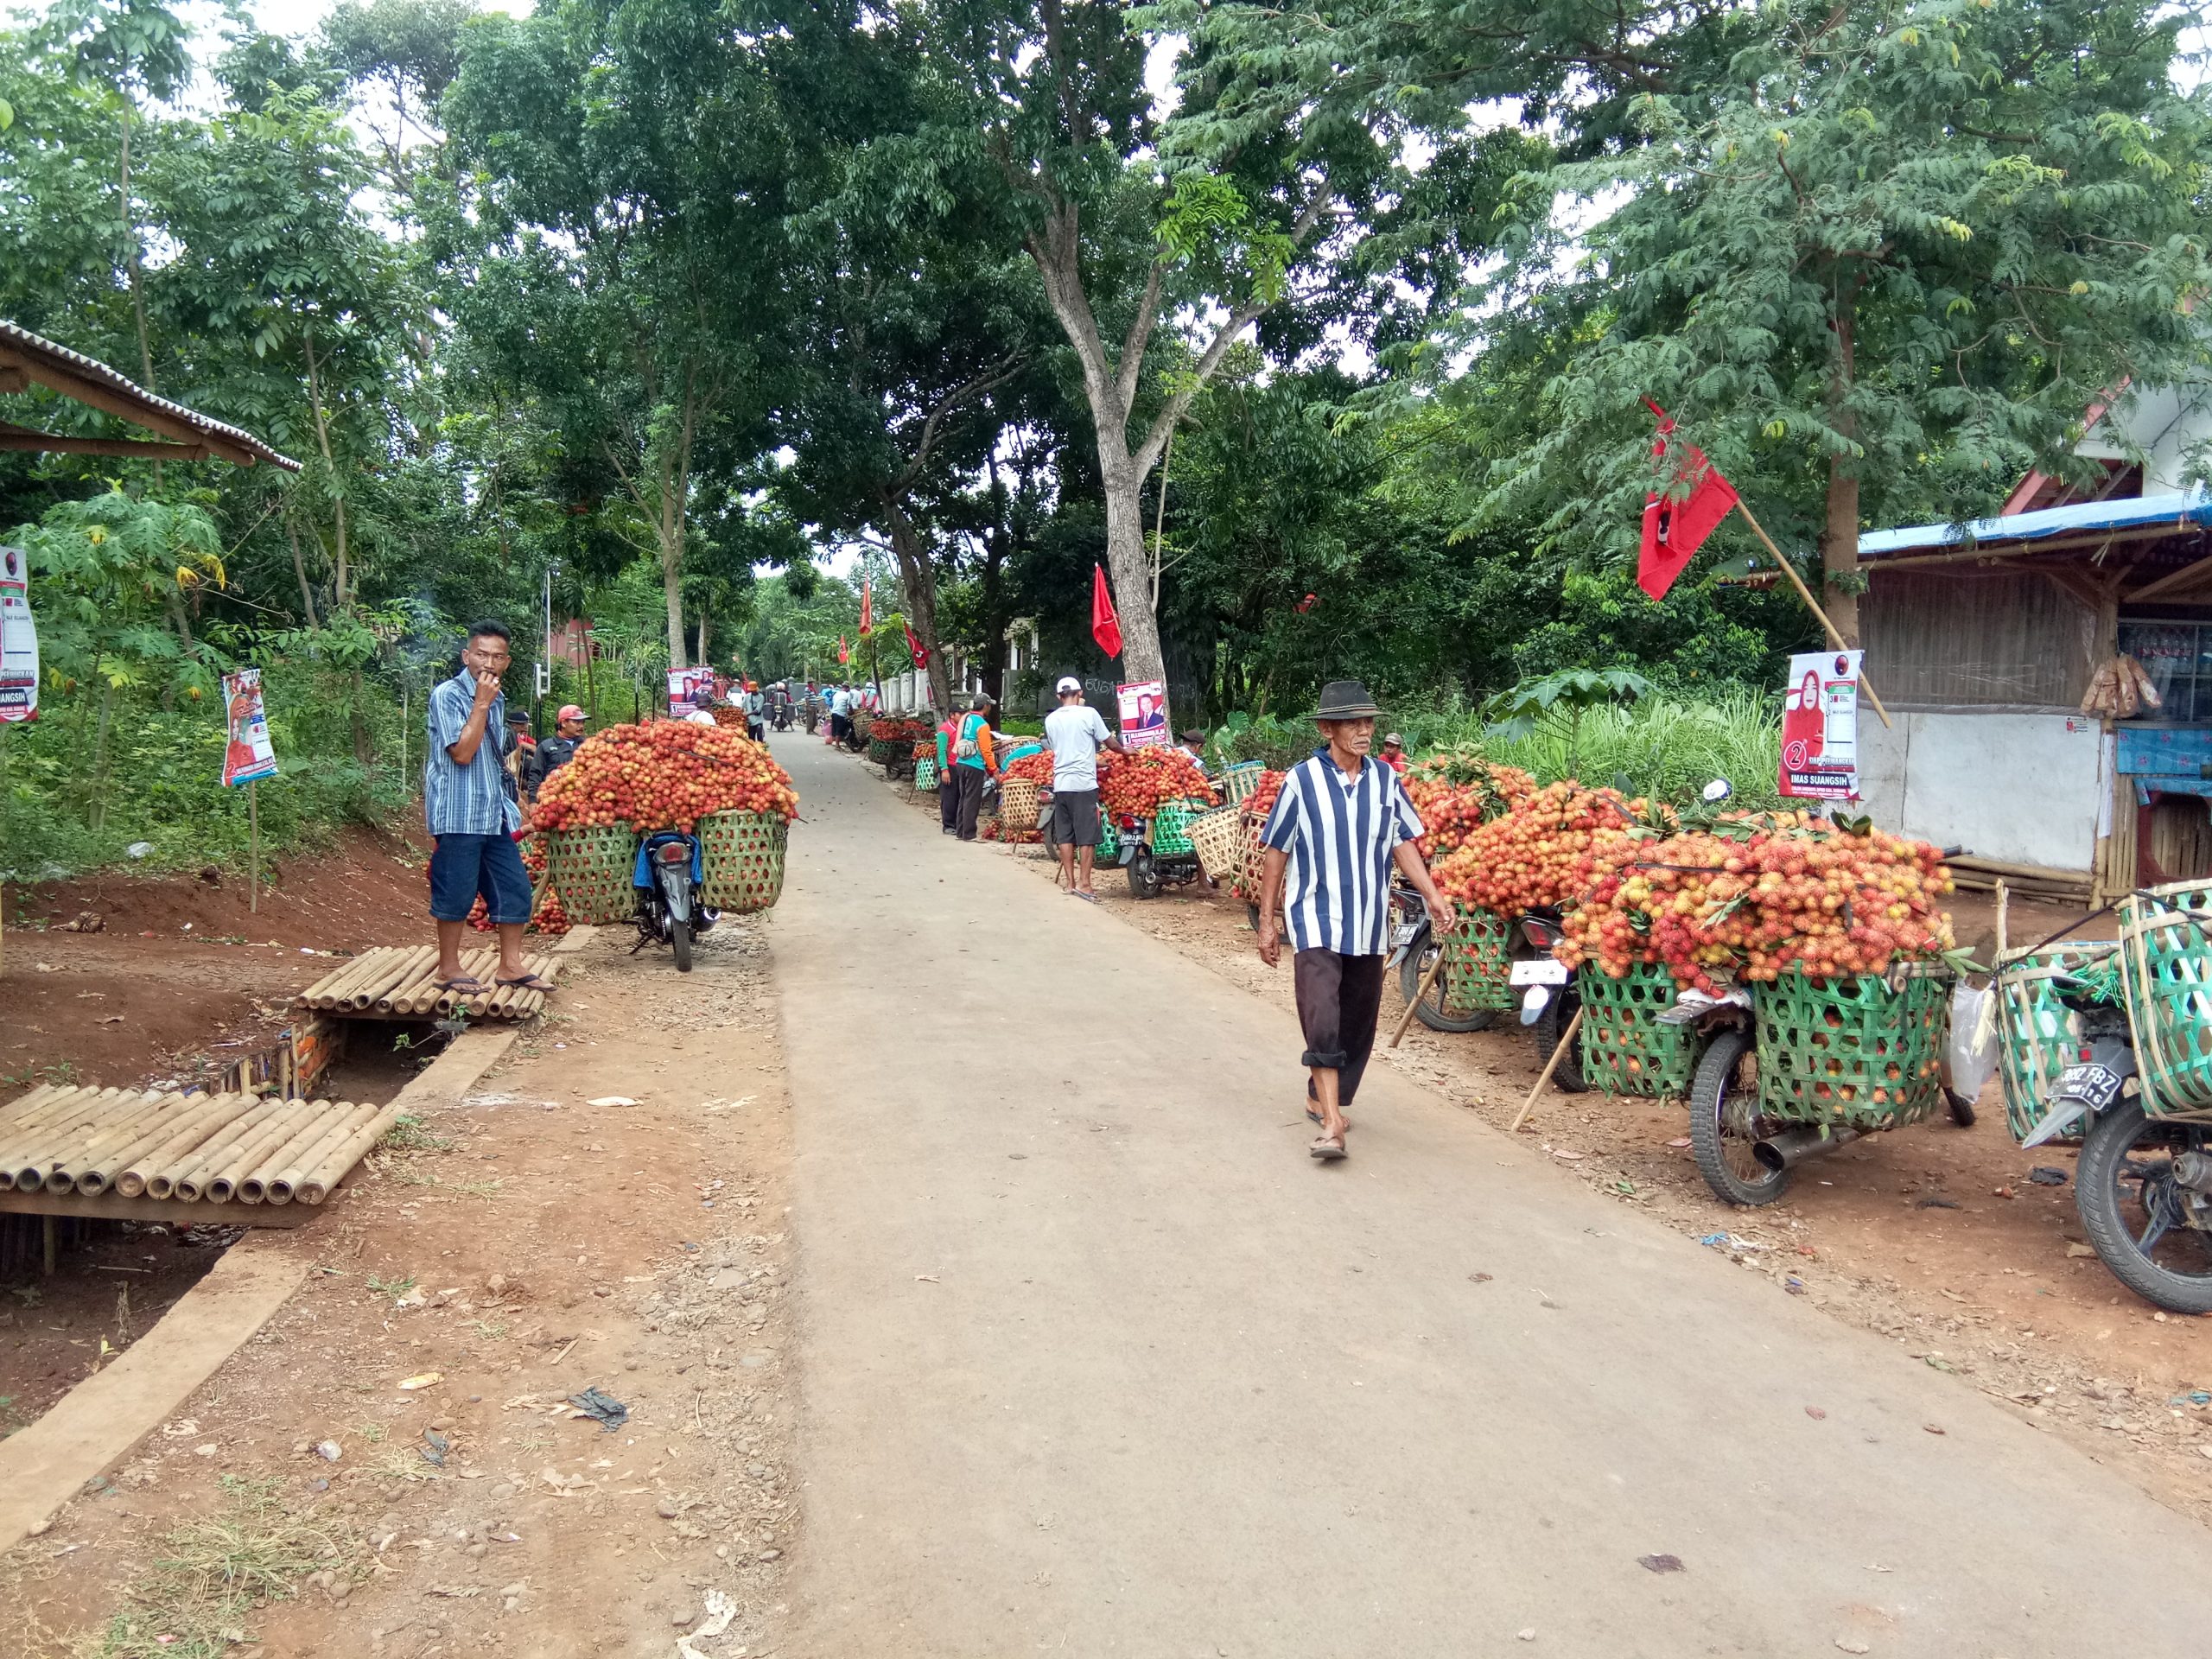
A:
[1096,1361]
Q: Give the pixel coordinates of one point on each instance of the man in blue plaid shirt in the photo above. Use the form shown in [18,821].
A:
[469,805]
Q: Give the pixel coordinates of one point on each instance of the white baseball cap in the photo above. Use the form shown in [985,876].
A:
[1068,683]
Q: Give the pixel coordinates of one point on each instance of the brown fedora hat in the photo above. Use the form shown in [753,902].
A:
[1345,700]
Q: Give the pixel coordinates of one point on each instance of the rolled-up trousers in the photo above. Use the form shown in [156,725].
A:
[1338,997]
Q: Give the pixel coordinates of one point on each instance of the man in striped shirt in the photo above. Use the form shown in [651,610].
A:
[1338,825]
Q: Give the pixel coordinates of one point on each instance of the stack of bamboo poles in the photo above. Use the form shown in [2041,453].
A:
[394,983]
[194,1148]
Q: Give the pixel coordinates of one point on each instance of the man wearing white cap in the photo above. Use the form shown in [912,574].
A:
[1077,733]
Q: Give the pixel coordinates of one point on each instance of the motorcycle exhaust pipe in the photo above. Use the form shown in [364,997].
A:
[2194,1171]
[1777,1153]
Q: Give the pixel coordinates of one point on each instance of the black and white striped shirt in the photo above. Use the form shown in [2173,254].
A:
[1340,832]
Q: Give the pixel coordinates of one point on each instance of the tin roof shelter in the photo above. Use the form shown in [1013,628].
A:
[28,359]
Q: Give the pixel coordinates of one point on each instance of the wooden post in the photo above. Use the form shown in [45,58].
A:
[2004,935]
[1427,980]
[1812,605]
[253,847]
[1550,1066]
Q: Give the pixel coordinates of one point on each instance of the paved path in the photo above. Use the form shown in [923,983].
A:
[1169,1389]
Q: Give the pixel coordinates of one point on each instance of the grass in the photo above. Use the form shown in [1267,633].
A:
[32,1077]
[196,1600]
[408,1134]
[394,1288]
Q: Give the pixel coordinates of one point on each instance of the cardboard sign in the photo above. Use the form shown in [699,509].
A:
[247,758]
[1820,727]
[18,640]
[1144,713]
[685,685]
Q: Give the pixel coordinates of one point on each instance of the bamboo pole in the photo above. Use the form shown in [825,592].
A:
[280,1126]
[253,1187]
[26,1158]
[131,1117]
[190,1174]
[393,975]
[326,991]
[1551,1065]
[186,1152]
[23,1134]
[253,847]
[41,1103]
[333,1169]
[416,967]
[368,968]
[139,1173]
[209,1110]
[23,1103]
[1427,980]
[2003,919]
[1812,605]
[284,1186]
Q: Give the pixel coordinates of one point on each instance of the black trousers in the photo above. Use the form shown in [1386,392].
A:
[948,802]
[971,798]
[1338,998]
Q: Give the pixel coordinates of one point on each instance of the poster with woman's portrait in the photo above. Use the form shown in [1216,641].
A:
[1820,727]
[247,758]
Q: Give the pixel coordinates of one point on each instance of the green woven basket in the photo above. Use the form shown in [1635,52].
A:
[1238,782]
[924,774]
[1625,1050]
[2166,955]
[2035,1030]
[591,870]
[1109,840]
[743,852]
[1859,1050]
[883,751]
[1170,827]
[1478,963]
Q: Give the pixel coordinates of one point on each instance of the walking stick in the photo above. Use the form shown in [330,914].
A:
[1427,980]
[1550,1066]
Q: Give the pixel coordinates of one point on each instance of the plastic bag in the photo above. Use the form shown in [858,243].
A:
[1970,1054]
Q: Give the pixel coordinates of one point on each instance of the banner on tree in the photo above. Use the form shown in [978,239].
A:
[685,685]
[1144,713]
[247,758]
[18,640]
[1820,727]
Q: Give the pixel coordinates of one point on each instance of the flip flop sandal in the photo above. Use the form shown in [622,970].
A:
[1326,1149]
[1087,898]
[467,985]
[527,983]
[1318,1118]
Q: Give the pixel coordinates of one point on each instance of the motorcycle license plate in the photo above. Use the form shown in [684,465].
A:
[1539,971]
[2096,1085]
[1402,935]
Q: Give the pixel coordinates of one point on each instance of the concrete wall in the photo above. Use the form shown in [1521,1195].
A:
[2024,787]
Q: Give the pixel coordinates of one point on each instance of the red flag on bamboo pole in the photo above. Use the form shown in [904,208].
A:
[1105,626]
[1675,529]
[915,648]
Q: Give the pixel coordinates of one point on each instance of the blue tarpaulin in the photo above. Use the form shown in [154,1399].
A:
[2182,510]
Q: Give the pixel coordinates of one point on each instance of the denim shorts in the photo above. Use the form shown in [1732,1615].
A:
[465,866]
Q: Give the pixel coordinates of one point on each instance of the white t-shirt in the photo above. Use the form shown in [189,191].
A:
[1075,732]
[841,703]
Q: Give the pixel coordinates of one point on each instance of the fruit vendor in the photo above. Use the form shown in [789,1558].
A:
[1394,754]
[555,752]
[1339,824]
[975,761]
[948,786]
[1077,733]
[470,809]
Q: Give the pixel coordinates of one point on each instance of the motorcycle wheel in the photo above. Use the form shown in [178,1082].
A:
[2147,1241]
[1961,1107]
[1430,1010]
[679,936]
[1724,1123]
[1566,1077]
[1144,875]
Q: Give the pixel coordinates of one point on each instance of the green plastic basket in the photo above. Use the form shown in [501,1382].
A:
[1478,963]
[1109,841]
[591,870]
[883,751]
[743,856]
[1862,1050]
[1170,827]
[2165,959]
[1625,1050]
[2034,1031]
[924,774]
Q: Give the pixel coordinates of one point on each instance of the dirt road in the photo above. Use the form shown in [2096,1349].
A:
[1095,1361]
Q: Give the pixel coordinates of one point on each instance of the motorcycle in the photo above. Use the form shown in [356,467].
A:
[2143,1186]
[668,876]
[1151,872]
[782,716]
[1414,950]
[1549,997]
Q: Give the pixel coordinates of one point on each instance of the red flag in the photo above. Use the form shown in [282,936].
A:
[868,610]
[1105,626]
[1675,529]
[915,648]
[843,654]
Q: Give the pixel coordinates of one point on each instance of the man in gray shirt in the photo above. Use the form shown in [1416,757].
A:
[1076,735]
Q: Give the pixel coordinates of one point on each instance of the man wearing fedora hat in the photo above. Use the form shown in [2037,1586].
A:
[1340,823]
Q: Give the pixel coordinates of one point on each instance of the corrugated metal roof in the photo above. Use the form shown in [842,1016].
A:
[2181,511]
[38,348]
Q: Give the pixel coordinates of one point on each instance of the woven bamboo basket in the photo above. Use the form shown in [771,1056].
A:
[1239,781]
[2036,1033]
[743,852]
[2165,953]
[1865,1050]
[1018,804]
[591,869]
[1218,837]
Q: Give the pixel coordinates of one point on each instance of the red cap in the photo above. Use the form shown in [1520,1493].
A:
[569,711]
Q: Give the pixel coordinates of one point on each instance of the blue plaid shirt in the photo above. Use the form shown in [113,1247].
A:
[476,799]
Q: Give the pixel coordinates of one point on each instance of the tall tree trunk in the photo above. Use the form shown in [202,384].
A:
[702,637]
[342,577]
[132,255]
[1840,536]
[97,818]
[1128,566]
[919,576]
[300,569]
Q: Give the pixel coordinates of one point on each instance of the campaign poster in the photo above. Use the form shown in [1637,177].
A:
[1820,727]
[685,685]
[1144,713]
[18,640]
[247,757]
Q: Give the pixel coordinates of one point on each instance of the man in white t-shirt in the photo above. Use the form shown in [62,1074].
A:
[841,715]
[1076,733]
